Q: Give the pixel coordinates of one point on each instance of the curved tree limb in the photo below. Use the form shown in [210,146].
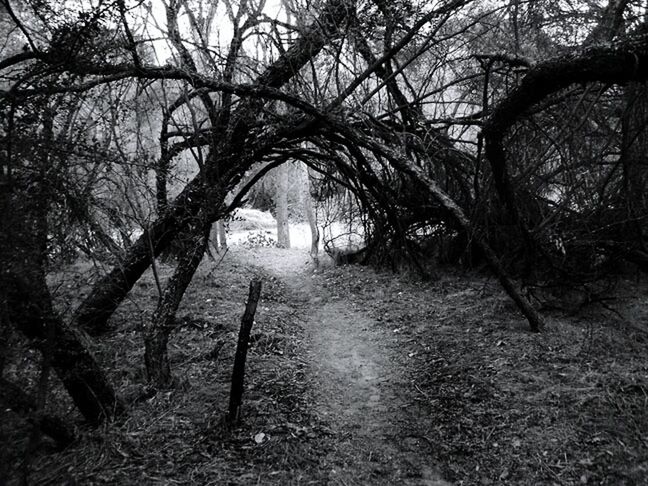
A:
[109,292]
[615,64]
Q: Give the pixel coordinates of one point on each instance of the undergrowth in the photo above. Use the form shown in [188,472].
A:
[489,402]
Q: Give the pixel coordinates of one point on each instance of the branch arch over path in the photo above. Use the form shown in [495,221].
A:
[614,64]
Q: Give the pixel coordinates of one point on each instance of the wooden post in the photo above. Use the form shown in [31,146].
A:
[238,374]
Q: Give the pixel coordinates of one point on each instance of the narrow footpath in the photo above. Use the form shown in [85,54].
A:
[359,389]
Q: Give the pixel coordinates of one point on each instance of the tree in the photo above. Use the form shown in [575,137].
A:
[72,50]
[281,206]
[435,126]
[25,299]
[310,214]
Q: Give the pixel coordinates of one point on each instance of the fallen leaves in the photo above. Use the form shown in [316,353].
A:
[497,405]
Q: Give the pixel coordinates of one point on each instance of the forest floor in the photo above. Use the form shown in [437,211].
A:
[360,377]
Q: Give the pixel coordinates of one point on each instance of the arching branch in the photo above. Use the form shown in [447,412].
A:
[616,64]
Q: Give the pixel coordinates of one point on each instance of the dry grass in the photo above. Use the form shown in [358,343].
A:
[176,436]
[489,401]
[246,219]
[504,406]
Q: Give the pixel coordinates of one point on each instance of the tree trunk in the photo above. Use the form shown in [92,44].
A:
[222,236]
[14,397]
[163,320]
[634,157]
[156,356]
[30,310]
[309,213]
[217,239]
[238,372]
[281,206]
[26,302]
[93,314]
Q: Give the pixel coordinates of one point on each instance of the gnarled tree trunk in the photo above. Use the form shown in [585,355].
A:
[26,303]
[311,217]
[163,321]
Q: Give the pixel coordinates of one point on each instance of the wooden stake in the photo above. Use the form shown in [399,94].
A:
[238,373]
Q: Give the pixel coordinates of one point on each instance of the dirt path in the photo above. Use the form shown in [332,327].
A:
[359,388]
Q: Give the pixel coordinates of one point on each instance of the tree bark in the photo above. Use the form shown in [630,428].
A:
[222,236]
[309,213]
[14,397]
[163,321]
[281,206]
[238,372]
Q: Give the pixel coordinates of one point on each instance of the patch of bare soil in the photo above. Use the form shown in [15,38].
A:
[357,387]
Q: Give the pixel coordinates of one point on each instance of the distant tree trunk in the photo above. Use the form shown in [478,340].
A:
[634,157]
[217,239]
[222,236]
[281,206]
[309,213]
[163,321]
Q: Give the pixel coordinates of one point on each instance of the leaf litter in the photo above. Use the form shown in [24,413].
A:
[456,388]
